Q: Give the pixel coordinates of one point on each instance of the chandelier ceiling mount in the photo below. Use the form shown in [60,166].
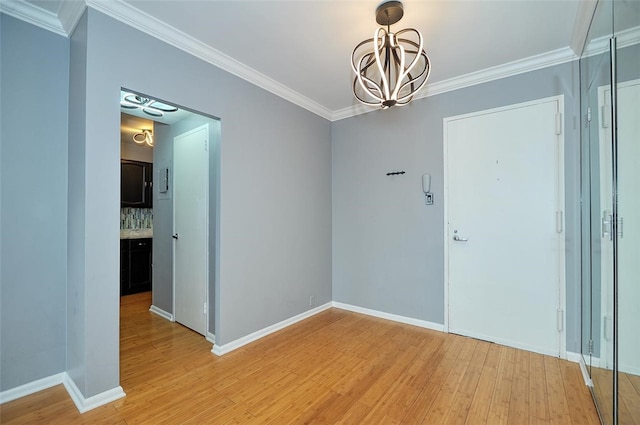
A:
[390,68]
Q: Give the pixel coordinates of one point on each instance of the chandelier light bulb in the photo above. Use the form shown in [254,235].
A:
[390,68]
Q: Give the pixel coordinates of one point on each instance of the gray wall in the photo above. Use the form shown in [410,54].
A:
[163,212]
[33,187]
[275,189]
[388,247]
[275,197]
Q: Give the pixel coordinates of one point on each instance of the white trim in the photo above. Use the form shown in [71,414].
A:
[220,350]
[160,312]
[586,9]
[633,370]
[34,15]
[574,357]
[31,387]
[624,38]
[389,316]
[69,15]
[520,66]
[561,204]
[211,337]
[82,404]
[85,404]
[127,14]
[578,358]
[562,207]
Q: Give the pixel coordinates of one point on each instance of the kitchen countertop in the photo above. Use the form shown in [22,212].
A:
[136,233]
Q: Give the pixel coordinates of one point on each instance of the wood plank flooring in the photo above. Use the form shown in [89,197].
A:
[628,402]
[337,367]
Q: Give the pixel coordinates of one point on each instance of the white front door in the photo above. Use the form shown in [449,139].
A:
[190,215]
[504,238]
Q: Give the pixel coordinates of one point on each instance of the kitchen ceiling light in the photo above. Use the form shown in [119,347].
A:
[390,68]
[145,137]
[149,106]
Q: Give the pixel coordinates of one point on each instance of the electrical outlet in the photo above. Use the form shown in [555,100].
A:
[312,300]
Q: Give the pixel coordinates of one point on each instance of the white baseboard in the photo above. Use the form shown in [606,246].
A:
[577,358]
[82,404]
[210,337]
[574,357]
[160,312]
[631,369]
[389,316]
[31,387]
[220,350]
[85,404]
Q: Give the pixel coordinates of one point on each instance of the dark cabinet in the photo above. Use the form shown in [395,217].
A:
[135,265]
[136,182]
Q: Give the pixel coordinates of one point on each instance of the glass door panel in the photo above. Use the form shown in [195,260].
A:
[627,20]
[597,174]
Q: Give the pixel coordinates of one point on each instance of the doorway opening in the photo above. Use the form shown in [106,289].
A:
[151,196]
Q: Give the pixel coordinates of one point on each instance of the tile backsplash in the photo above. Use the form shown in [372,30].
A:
[136,218]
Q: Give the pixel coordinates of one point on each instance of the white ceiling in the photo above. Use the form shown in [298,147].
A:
[307,45]
[301,49]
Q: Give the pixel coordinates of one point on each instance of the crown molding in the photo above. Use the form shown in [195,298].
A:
[146,23]
[520,66]
[71,10]
[586,9]
[626,38]
[70,13]
[33,14]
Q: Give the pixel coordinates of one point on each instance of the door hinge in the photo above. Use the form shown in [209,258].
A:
[620,229]
[589,114]
[605,116]
[206,145]
[607,224]
[204,308]
[560,320]
[559,221]
[590,346]
[559,123]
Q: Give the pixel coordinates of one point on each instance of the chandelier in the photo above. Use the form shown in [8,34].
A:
[390,68]
[145,137]
[148,105]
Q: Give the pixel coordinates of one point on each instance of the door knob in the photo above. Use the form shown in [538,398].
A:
[459,239]
[174,236]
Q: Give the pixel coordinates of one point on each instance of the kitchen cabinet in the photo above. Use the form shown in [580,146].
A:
[136,183]
[135,265]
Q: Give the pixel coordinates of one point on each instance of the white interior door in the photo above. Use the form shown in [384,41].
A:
[190,212]
[504,242]
[628,183]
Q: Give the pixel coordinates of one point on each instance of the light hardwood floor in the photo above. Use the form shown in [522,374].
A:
[628,402]
[337,367]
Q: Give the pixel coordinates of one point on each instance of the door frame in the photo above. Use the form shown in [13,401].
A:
[605,321]
[206,225]
[562,317]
